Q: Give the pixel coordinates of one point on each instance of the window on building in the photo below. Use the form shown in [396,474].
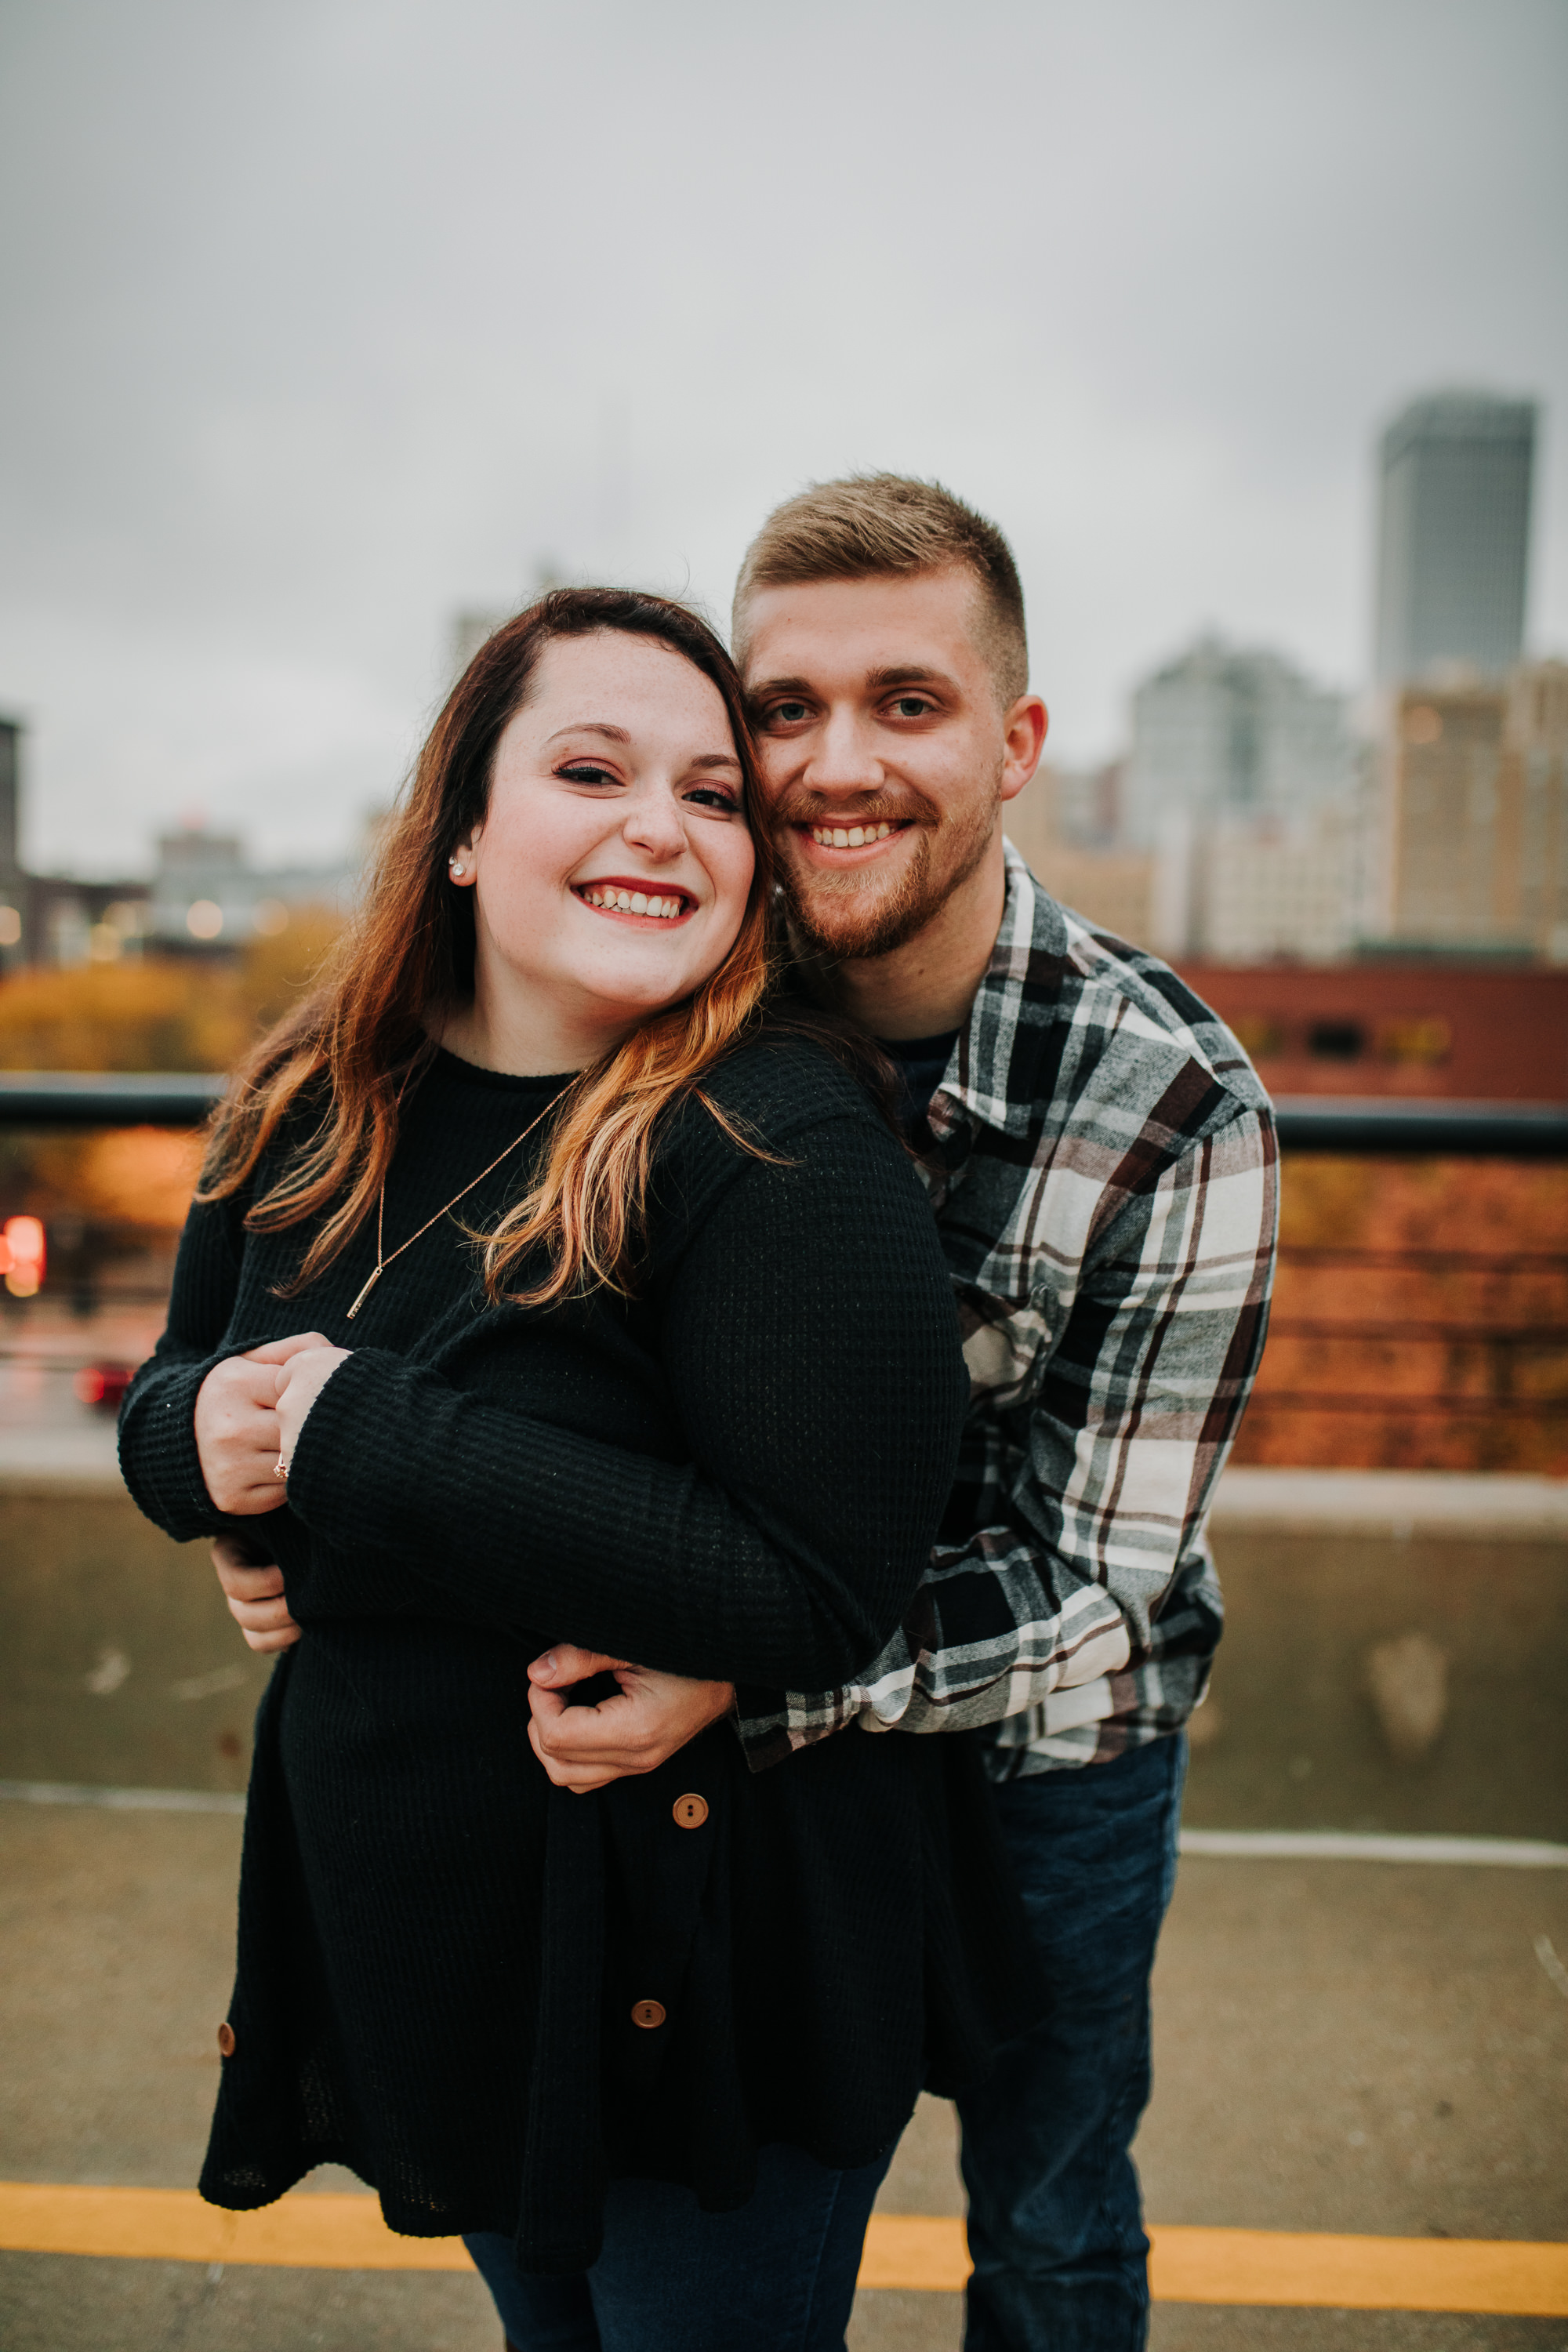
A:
[1336,1041]
[1420,1038]
[1258,1037]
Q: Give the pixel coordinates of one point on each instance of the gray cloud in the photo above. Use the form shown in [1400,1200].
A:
[323,319]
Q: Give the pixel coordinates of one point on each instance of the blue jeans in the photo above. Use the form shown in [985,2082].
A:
[1056,2227]
[777,2276]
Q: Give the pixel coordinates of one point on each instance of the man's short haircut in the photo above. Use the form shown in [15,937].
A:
[875,526]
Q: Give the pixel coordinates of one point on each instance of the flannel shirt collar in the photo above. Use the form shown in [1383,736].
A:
[988,1083]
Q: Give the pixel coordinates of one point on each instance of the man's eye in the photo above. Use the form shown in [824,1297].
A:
[786,714]
[583,772]
[911,705]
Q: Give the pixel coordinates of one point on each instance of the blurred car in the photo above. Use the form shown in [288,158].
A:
[102,1386]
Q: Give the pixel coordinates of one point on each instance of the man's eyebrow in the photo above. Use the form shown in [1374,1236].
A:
[591,727]
[911,674]
[897,673]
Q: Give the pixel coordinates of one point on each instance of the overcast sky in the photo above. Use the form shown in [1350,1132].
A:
[325,318]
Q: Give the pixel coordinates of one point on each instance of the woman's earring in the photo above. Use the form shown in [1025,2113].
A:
[457,866]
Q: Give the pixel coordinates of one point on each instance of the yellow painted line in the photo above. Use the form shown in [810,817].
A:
[915,2250]
[326,2232]
[902,2250]
[1353,2274]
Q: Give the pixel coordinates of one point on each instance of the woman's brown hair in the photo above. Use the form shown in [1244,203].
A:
[363,1038]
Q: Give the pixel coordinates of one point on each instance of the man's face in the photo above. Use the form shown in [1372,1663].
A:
[886,753]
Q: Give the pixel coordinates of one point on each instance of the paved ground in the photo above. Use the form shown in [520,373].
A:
[1341,2046]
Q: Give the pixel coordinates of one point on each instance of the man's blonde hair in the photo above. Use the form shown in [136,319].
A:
[874,526]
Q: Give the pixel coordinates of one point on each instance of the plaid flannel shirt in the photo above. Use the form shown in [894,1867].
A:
[1105,1184]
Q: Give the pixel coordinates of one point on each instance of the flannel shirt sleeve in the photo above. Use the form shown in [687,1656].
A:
[1093,1492]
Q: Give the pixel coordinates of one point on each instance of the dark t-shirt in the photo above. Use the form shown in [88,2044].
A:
[921,1063]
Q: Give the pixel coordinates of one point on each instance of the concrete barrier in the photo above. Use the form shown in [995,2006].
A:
[1395,1657]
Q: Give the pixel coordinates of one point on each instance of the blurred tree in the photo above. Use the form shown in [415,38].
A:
[123,1193]
[166,1014]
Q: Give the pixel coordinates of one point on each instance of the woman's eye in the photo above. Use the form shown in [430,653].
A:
[713,796]
[583,772]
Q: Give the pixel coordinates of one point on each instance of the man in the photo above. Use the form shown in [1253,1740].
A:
[1100,1162]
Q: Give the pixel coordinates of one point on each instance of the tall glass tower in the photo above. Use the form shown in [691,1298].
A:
[1453,534]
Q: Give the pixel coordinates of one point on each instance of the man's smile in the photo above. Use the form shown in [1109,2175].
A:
[841,842]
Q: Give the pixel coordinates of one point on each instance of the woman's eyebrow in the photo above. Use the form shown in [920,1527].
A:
[591,727]
[715,759]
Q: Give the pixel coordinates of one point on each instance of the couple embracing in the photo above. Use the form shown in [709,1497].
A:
[724,1267]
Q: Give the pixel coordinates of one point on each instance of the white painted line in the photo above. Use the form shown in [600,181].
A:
[1337,1845]
[122,1800]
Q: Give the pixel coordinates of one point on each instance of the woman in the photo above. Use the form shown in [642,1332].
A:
[544,1287]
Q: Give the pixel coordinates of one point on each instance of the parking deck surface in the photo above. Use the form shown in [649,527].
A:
[1341,2046]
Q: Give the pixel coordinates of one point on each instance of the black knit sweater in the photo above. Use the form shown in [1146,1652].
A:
[737,1474]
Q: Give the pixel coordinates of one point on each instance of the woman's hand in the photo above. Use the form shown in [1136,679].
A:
[304,1365]
[255,1590]
[649,1718]
[238,1436]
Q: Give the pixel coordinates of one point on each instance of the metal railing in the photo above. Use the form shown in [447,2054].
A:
[1474,1349]
[1356,1124]
[107,1098]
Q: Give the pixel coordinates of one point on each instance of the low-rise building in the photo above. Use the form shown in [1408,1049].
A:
[1390,1026]
[205,894]
[1473,814]
[1065,825]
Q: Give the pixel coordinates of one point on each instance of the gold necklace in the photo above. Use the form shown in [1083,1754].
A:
[383,1262]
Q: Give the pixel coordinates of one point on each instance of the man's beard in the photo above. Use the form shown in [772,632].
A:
[852,914]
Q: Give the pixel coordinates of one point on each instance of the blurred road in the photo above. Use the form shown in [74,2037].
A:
[1340,2045]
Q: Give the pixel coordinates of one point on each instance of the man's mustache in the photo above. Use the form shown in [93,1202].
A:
[872,808]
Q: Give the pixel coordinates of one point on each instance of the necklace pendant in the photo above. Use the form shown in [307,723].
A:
[364,1294]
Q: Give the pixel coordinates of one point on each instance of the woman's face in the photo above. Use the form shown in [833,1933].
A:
[611,871]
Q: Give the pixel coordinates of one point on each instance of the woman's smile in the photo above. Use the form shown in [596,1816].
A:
[634,900]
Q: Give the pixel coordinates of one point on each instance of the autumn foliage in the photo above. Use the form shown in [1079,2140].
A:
[166,1014]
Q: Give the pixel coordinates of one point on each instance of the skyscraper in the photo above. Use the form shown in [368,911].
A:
[1229,730]
[1454,535]
[1240,783]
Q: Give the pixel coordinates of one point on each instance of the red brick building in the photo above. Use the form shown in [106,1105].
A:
[1397,1028]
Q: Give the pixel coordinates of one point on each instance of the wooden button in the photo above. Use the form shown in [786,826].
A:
[648,2013]
[690,1811]
[226,2039]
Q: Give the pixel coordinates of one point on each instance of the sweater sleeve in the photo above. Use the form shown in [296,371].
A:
[157,1421]
[812,1350]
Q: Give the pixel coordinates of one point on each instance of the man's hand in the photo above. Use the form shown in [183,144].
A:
[255,1588]
[650,1716]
